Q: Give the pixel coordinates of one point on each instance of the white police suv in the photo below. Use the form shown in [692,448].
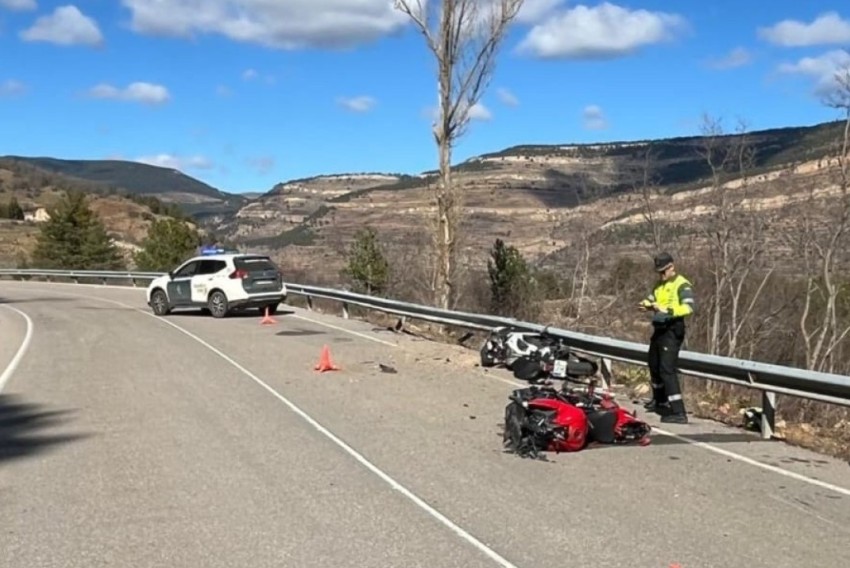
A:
[220,281]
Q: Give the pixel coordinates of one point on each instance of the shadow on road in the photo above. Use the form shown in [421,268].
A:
[247,314]
[22,426]
[300,332]
[659,439]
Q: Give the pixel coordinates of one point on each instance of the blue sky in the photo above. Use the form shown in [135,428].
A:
[244,94]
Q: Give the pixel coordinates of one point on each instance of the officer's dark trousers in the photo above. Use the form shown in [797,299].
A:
[664,349]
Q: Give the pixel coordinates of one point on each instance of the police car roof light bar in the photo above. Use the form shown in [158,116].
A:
[209,251]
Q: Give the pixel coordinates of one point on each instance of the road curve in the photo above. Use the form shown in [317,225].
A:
[188,441]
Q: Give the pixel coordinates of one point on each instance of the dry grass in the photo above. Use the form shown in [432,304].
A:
[17,239]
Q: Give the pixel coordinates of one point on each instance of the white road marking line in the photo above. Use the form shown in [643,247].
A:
[492,554]
[19,354]
[731,455]
[342,329]
[756,463]
[349,450]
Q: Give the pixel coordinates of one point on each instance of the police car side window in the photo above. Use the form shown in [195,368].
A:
[211,266]
[188,270]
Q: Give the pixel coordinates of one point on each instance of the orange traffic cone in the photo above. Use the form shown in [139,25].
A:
[325,363]
[267,319]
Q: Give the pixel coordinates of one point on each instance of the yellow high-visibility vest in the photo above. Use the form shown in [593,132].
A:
[675,296]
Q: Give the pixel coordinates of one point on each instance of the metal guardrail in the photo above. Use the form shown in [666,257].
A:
[768,378]
[77,275]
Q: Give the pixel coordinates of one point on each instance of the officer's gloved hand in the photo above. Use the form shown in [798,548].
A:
[660,317]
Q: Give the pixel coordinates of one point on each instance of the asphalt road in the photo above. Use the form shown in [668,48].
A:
[130,440]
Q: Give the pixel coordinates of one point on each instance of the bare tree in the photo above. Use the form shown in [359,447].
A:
[464,37]
[735,231]
[586,230]
[714,150]
[825,227]
[647,188]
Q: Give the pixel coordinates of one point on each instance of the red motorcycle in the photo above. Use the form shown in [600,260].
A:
[545,419]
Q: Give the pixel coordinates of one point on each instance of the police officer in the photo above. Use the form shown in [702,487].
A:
[671,302]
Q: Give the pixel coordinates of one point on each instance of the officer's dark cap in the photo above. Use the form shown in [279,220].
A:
[662,261]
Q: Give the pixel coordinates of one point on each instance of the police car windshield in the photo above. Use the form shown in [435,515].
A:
[255,264]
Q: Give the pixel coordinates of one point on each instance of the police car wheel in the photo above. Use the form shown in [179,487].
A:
[159,303]
[217,304]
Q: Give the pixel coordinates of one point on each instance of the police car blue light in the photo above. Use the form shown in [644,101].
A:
[209,251]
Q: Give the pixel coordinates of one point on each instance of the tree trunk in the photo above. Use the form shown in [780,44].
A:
[446,233]
[444,291]
[464,43]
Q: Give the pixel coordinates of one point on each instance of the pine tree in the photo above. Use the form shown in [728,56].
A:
[367,266]
[511,281]
[74,238]
[15,211]
[168,243]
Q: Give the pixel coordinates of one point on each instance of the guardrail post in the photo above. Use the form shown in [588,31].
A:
[607,373]
[768,414]
[345,310]
[310,303]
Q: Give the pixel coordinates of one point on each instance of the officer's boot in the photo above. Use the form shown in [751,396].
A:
[676,413]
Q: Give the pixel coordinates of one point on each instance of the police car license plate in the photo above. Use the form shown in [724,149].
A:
[560,369]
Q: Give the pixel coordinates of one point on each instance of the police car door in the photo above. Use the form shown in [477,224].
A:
[180,285]
[204,279]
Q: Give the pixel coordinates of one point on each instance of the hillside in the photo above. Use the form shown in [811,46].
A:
[126,218]
[541,198]
[167,185]
[295,203]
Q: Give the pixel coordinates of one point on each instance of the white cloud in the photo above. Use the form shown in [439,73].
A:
[11,88]
[604,31]
[533,11]
[827,29]
[177,162]
[223,91]
[507,97]
[289,24]
[594,118]
[357,104]
[738,57]
[476,112]
[821,69]
[18,4]
[139,92]
[65,26]
[479,112]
